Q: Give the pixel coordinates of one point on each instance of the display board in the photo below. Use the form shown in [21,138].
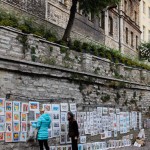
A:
[104,122]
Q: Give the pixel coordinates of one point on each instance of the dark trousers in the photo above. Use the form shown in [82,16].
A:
[74,144]
[43,143]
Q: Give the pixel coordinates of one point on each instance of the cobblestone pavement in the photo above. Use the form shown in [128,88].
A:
[146,147]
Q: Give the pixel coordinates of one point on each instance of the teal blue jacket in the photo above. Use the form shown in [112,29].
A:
[42,125]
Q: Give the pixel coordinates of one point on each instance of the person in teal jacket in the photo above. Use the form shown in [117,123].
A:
[42,125]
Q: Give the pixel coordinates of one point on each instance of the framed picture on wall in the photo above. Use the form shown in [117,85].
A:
[64,107]
[2,127]
[1,110]
[24,117]
[16,106]
[55,107]
[8,137]
[8,106]
[25,107]
[34,106]
[47,107]
[16,137]
[8,116]
[8,127]
[73,107]
[23,136]
[16,116]
[2,119]
[1,136]
[2,102]
[62,139]
[16,126]
[24,126]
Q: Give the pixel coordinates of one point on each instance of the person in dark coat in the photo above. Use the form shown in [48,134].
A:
[73,131]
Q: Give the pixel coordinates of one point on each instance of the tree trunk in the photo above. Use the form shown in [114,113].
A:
[71,21]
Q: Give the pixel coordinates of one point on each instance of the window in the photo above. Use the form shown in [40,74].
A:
[149,35]
[132,39]
[91,17]
[110,26]
[144,7]
[137,42]
[149,12]
[102,20]
[125,6]
[143,32]
[127,35]
[135,16]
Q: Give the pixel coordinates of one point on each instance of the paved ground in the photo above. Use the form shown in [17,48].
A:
[146,147]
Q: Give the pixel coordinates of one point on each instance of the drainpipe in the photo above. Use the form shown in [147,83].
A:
[119,27]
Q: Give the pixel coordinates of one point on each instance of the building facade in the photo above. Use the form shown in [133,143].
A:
[145,20]
[117,28]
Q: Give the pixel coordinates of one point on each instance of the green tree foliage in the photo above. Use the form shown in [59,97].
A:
[87,6]
[145,51]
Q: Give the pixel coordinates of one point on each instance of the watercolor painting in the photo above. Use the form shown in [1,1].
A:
[2,119]
[23,116]
[16,126]
[47,107]
[73,107]
[2,102]
[8,127]
[2,127]
[16,116]
[25,107]
[1,110]
[8,137]
[36,115]
[34,106]
[64,107]
[23,126]
[8,116]
[15,137]
[8,106]
[1,136]
[23,136]
[56,107]
[16,106]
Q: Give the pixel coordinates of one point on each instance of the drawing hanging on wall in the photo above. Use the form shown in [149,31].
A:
[47,107]
[2,102]
[8,127]
[34,106]
[16,126]
[8,106]
[8,137]
[64,107]
[56,107]
[16,116]
[15,137]
[23,136]
[1,110]
[16,106]
[25,107]
[36,115]
[73,107]
[8,116]
[2,127]
[2,119]
[23,116]
[23,126]
[1,136]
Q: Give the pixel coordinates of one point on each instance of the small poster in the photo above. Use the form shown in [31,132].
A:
[16,106]
[105,110]
[34,106]
[64,107]
[62,139]
[8,116]
[63,117]
[80,146]
[2,102]
[25,107]
[2,119]
[56,116]
[8,127]
[52,147]
[56,132]
[56,107]
[23,136]
[24,126]
[68,139]
[73,107]
[2,127]
[36,115]
[15,137]
[56,125]
[63,127]
[1,110]
[8,137]
[16,126]
[82,139]
[49,133]
[16,116]
[24,117]
[1,136]
[47,107]
[8,106]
